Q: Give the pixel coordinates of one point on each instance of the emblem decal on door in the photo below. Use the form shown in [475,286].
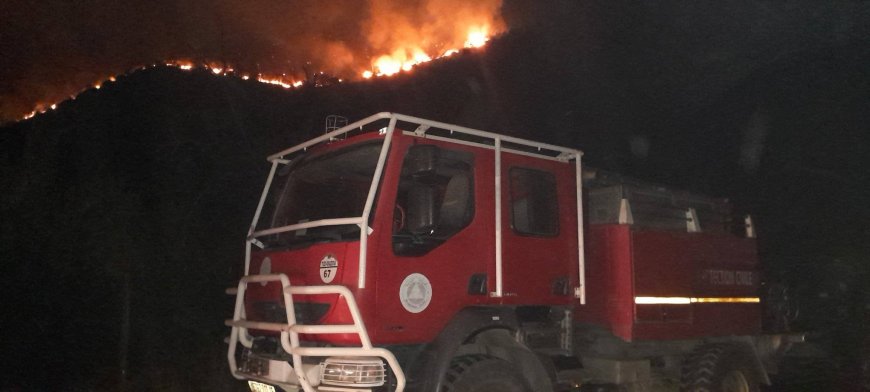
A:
[328,268]
[415,293]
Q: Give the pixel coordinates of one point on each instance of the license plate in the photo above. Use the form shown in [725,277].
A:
[260,387]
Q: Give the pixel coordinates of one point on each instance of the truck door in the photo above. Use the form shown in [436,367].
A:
[435,248]
[539,233]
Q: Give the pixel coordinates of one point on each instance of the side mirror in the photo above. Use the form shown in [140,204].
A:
[421,159]
[420,215]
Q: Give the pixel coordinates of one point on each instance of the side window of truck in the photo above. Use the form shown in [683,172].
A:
[435,199]
[534,208]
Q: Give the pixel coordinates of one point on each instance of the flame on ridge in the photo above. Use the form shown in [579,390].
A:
[402,59]
[281,81]
[405,59]
[184,65]
[354,40]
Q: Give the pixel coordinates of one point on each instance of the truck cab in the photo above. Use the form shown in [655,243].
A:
[371,240]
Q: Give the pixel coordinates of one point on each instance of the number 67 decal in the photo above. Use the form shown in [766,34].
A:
[328,267]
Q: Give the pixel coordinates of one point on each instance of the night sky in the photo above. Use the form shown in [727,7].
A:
[146,186]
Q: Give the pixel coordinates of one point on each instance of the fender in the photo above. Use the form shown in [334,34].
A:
[426,372]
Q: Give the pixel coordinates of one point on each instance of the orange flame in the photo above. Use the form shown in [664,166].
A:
[394,36]
[477,37]
[406,34]
[405,59]
[403,47]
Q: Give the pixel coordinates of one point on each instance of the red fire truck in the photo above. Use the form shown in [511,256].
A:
[402,254]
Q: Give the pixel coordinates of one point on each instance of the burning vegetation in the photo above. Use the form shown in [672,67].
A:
[327,44]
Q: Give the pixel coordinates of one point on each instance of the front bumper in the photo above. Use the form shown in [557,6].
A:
[296,375]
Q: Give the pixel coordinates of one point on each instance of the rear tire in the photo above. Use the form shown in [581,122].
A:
[718,368]
[482,373]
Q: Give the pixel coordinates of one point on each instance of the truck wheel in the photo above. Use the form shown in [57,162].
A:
[482,373]
[718,368]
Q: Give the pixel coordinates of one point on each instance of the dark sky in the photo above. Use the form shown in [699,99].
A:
[680,53]
[689,52]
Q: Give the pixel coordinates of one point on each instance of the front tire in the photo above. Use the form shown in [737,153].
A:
[482,373]
[718,368]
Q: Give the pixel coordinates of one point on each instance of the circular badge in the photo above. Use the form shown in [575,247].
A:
[328,268]
[265,268]
[415,293]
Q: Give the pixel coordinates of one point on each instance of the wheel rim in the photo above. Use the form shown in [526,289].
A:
[735,382]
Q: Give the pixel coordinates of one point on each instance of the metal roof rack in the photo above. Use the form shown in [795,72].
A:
[443,131]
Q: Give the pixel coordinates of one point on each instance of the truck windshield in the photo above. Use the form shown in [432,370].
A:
[314,187]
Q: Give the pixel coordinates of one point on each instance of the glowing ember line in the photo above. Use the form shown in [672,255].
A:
[182,65]
[401,60]
[279,82]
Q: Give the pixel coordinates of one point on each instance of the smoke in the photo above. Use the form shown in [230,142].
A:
[53,49]
[431,25]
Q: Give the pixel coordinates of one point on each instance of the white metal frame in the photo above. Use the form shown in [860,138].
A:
[362,221]
[538,150]
[424,129]
[290,331]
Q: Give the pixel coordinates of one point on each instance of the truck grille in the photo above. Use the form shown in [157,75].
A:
[274,312]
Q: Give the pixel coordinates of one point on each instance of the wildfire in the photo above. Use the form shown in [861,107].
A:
[477,37]
[278,82]
[405,59]
[402,59]
[386,38]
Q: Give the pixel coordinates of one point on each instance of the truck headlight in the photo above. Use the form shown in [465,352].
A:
[353,371]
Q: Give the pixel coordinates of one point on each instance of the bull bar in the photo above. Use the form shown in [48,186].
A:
[291,330]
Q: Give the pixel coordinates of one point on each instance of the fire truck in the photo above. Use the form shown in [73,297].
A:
[398,254]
